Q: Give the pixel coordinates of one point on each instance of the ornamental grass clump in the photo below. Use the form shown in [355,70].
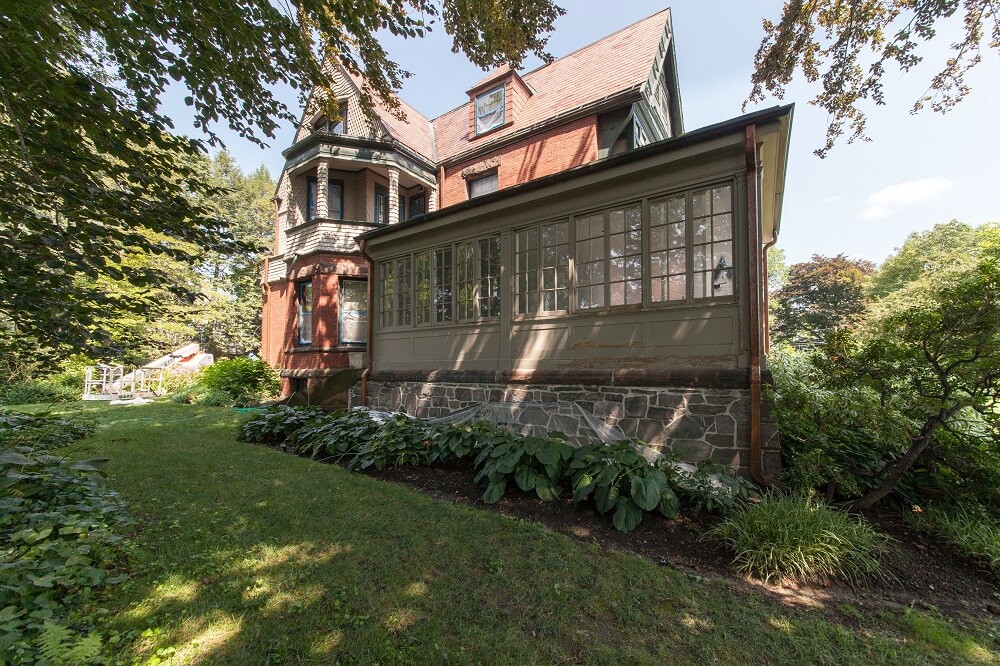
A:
[971,529]
[801,538]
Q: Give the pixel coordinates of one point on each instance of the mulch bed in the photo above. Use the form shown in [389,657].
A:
[922,574]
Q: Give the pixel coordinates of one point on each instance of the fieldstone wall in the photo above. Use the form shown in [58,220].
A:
[698,424]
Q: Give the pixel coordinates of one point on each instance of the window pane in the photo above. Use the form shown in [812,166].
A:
[304,307]
[555,263]
[722,199]
[626,255]
[465,276]
[489,277]
[336,200]
[353,327]
[442,285]
[422,274]
[404,297]
[483,185]
[310,198]
[526,275]
[490,110]
[387,293]
[590,258]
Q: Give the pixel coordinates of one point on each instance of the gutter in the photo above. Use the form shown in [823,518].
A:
[725,128]
[366,373]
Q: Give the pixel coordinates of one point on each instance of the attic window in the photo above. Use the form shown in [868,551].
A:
[490,109]
[326,125]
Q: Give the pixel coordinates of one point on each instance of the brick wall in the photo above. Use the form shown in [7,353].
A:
[280,334]
[560,148]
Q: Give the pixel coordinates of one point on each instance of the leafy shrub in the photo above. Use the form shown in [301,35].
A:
[338,435]
[969,528]
[33,391]
[834,439]
[401,441]
[278,423]
[457,440]
[58,530]
[709,488]
[621,479]
[533,463]
[801,538]
[41,431]
[244,380]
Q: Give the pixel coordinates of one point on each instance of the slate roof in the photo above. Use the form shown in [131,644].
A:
[612,65]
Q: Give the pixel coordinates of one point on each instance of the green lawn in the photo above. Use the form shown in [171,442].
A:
[246,555]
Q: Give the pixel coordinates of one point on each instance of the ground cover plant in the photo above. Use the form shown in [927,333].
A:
[237,381]
[59,527]
[616,476]
[255,556]
[797,537]
[970,529]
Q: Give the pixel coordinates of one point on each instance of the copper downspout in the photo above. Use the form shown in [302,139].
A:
[754,290]
[362,246]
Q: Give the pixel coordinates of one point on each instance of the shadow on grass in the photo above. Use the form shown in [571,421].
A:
[246,555]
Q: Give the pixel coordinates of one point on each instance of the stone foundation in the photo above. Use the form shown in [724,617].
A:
[697,424]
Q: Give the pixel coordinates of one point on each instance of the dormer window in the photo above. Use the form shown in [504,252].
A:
[490,109]
[328,126]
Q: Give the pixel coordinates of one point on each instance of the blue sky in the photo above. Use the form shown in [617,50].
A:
[862,200]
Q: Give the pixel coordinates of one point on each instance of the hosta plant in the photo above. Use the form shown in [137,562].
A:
[399,442]
[278,423]
[342,434]
[457,440]
[533,463]
[623,481]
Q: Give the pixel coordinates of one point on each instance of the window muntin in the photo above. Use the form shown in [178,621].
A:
[590,258]
[304,310]
[668,249]
[465,276]
[418,205]
[422,277]
[442,285]
[489,277]
[555,266]
[483,185]
[526,271]
[387,294]
[625,255]
[381,205]
[312,187]
[490,109]
[404,296]
[712,242]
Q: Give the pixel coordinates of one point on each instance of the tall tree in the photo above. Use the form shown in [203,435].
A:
[932,348]
[820,296]
[849,44]
[88,164]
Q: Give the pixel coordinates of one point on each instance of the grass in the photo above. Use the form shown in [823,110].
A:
[246,555]
[789,536]
[970,530]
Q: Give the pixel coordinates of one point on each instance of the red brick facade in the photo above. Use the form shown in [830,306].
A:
[556,150]
[280,326]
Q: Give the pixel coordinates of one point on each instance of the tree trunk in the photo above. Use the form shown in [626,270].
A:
[903,465]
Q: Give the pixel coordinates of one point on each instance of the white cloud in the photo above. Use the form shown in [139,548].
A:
[830,200]
[890,200]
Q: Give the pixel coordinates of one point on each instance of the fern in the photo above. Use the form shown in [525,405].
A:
[59,646]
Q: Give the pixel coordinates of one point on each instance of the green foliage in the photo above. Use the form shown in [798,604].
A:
[710,487]
[820,296]
[790,536]
[620,479]
[42,431]
[969,528]
[82,89]
[60,646]
[244,380]
[533,463]
[457,440]
[850,48]
[399,442]
[835,438]
[341,434]
[58,533]
[278,423]
[34,391]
